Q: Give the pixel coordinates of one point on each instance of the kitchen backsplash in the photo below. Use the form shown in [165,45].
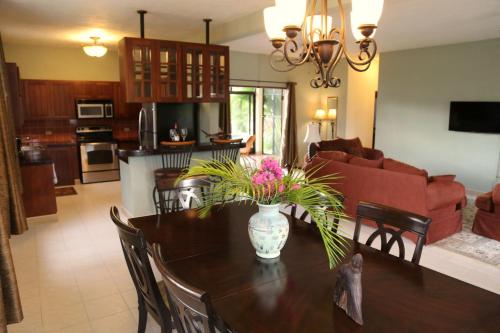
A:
[63,130]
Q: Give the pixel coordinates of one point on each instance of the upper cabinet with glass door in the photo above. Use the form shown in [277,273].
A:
[172,72]
[218,73]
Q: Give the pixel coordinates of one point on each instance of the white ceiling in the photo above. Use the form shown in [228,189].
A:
[405,24]
[73,21]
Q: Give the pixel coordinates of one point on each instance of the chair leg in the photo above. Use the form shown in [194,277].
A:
[143,317]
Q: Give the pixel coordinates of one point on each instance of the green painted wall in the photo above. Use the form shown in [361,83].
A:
[415,90]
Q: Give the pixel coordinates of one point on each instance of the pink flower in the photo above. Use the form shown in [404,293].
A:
[281,188]
[295,187]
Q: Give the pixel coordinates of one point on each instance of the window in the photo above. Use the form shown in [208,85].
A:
[258,111]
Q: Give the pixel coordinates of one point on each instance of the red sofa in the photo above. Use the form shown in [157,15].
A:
[487,219]
[395,184]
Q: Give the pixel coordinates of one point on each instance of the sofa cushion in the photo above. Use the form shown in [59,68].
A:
[393,165]
[485,202]
[334,155]
[366,163]
[351,146]
[442,178]
[442,194]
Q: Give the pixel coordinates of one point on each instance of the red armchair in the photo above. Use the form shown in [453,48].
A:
[487,220]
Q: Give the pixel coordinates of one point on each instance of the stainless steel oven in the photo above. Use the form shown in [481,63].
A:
[94,108]
[99,162]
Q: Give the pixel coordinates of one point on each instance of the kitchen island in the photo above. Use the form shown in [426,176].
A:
[137,174]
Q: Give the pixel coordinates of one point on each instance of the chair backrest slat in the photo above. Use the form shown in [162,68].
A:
[223,152]
[176,157]
[391,224]
[187,194]
[135,252]
[191,307]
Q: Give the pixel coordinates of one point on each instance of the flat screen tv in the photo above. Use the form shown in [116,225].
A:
[479,117]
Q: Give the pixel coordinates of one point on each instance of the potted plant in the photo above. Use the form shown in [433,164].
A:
[270,187]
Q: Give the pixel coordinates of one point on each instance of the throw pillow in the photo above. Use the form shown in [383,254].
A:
[367,163]
[338,156]
[442,178]
[343,145]
[393,165]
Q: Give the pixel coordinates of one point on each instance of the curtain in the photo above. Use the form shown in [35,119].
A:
[12,217]
[225,117]
[289,138]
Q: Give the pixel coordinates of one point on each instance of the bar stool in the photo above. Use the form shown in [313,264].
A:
[175,157]
[226,149]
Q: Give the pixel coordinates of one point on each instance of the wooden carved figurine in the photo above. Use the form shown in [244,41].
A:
[347,292]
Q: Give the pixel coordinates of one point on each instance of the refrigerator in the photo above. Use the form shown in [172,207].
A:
[147,128]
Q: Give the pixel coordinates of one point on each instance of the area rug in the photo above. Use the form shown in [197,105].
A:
[471,245]
[63,191]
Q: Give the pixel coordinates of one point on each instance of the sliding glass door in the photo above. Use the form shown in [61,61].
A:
[242,112]
[272,108]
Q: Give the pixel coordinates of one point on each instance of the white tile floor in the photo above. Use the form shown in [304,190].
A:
[73,278]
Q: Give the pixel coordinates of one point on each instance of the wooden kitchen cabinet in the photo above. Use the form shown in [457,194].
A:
[65,158]
[172,72]
[93,89]
[15,93]
[122,109]
[47,99]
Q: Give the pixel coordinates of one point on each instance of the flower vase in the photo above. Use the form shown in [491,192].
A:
[268,231]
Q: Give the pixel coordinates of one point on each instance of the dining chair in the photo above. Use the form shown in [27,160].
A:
[397,222]
[151,295]
[188,193]
[191,307]
[305,216]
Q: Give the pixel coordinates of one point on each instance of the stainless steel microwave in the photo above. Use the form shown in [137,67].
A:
[94,108]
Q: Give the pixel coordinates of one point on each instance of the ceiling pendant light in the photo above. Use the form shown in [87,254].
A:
[301,32]
[95,50]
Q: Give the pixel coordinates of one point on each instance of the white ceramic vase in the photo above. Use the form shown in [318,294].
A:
[268,231]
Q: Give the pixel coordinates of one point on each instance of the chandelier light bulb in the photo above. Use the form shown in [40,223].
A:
[316,22]
[95,50]
[356,32]
[367,12]
[292,11]
[273,24]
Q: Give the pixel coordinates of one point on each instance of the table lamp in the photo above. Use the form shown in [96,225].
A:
[332,116]
[312,133]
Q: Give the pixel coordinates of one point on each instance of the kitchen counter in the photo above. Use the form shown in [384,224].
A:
[34,157]
[131,149]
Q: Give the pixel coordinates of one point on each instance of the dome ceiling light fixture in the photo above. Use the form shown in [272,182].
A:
[95,50]
[301,33]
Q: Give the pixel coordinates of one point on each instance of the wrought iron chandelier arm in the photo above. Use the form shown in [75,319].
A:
[295,49]
[273,59]
[365,56]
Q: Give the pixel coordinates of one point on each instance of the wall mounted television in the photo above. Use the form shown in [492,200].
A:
[478,117]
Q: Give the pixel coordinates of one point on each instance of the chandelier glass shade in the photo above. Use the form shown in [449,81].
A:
[301,31]
[95,50]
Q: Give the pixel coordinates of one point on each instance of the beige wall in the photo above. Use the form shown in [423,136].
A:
[361,88]
[61,63]
[415,90]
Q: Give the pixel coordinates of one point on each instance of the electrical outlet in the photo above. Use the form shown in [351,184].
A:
[48,132]
[126,129]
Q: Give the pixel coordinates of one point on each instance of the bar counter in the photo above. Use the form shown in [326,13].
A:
[137,173]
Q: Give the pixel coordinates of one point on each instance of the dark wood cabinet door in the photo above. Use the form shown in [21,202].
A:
[217,73]
[193,66]
[65,160]
[122,109]
[46,99]
[168,86]
[15,93]
[137,69]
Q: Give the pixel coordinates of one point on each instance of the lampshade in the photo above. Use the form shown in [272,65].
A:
[317,23]
[355,28]
[292,11]
[273,23]
[367,11]
[332,114]
[320,114]
[95,50]
[312,133]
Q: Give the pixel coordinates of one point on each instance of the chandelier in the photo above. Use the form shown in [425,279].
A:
[95,50]
[301,33]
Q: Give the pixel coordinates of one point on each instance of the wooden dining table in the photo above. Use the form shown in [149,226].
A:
[294,293]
